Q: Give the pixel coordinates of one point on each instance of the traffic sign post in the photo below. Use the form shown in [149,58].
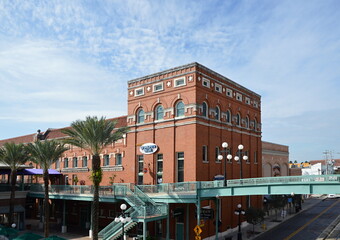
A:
[198,231]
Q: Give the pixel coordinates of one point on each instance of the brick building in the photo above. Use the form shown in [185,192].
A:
[183,114]
[275,159]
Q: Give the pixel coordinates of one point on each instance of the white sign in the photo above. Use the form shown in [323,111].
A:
[148,148]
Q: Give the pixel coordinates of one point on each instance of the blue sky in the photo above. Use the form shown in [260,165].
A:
[63,60]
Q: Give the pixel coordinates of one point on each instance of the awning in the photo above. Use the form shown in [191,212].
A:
[35,171]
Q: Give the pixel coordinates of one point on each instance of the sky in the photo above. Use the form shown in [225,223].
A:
[63,60]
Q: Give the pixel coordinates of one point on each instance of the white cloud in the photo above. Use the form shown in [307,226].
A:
[74,58]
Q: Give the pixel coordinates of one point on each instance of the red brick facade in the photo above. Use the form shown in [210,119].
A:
[201,109]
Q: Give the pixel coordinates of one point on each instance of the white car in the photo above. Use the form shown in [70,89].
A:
[331,196]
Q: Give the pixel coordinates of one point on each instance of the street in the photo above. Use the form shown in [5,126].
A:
[308,224]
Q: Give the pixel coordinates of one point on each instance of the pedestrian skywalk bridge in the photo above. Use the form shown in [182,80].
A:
[150,202]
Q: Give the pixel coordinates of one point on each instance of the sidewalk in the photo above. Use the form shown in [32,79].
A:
[269,222]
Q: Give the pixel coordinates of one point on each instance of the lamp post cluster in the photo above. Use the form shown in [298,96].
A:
[227,155]
[239,212]
[123,218]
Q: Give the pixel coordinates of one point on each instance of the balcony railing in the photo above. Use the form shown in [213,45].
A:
[125,190]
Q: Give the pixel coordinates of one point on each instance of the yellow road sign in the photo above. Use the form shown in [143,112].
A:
[198,230]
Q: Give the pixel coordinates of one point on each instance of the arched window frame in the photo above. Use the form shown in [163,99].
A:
[205,109]
[179,109]
[247,122]
[140,115]
[238,119]
[159,112]
[228,116]
[217,113]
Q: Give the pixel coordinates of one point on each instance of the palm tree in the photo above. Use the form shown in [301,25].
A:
[13,155]
[94,135]
[45,153]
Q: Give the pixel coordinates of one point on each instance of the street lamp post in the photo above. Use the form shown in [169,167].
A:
[241,155]
[229,157]
[123,218]
[239,211]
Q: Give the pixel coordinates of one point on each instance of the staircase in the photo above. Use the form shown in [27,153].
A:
[141,207]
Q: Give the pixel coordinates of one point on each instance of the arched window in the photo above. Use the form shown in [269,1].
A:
[140,116]
[180,109]
[247,122]
[217,111]
[205,109]
[159,112]
[238,120]
[228,116]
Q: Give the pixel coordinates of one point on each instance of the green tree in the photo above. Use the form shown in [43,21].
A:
[254,216]
[45,153]
[94,134]
[13,155]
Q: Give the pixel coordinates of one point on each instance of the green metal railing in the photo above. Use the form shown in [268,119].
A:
[114,226]
[284,180]
[142,206]
[138,194]
[182,187]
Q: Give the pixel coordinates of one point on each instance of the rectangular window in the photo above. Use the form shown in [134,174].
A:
[217,153]
[229,92]
[247,100]
[106,160]
[255,157]
[75,162]
[179,82]
[140,162]
[206,83]
[205,153]
[158,87]
[57,164]
[65,162]
[218,88]
[139,92]
[118,159]
[159,168]
[84,161]
[180,167]
[239,97]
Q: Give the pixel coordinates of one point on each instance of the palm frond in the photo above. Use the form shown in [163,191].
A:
[93,134]
[13,155]
[47,152]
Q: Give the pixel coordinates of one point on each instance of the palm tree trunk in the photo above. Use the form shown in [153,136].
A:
[46,205]
[96,178]
[11,204]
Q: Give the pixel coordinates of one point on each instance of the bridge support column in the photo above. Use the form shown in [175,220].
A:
[64,227]
[168,224]
[187,223]
[217,218]
[144,230]
[198,207]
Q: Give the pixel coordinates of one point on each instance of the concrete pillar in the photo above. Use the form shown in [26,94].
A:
[64,227]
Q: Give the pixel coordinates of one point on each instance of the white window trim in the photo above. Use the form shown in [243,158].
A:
[218,86]
[204,80]
[137,89]
[229,92]
[247,100]
[158,84]
[177,79]
[239,97]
